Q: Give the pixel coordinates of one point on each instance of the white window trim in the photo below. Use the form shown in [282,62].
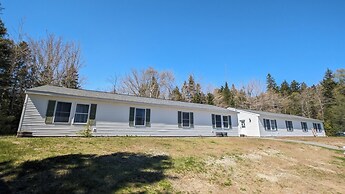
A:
[221,122]
[275,125]
[75,111]
[271,128]
[317,129]
[229,118]
[69,118]
[289,129]
[306,129]
[135,118]
[185,127]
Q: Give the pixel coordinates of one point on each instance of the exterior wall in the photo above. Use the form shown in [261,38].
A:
[251,122]
[282,131]
[112,119]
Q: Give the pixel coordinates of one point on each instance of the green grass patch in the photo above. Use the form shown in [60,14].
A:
[187,164]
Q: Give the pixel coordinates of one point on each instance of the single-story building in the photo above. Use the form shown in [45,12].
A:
[58,111]
[265,124]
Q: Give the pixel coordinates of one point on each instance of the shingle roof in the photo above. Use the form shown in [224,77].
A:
[286,116]
[51,90]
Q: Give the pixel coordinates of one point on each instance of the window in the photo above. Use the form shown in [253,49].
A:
[304,126]
[81,113]
[62,112]
[274,125]
[267,124]
[227,122]
[218,121]
[243,123]
[139,117]
[185,119]
[270,125]
[317,127]
[289,125]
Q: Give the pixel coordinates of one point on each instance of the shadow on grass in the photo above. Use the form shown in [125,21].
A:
[80,173]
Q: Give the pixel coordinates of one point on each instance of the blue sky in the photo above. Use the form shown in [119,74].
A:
[216,41]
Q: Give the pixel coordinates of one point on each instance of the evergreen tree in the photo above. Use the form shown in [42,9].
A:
[337,111]
[295,86]
[209,98]
[185,92]
[228,97]
[285,88]
[71,78]
[333,91]
[271,83]
[199,96]
[6,60]
[328,85]
[176,94]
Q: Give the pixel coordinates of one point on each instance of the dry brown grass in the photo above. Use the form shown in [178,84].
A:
[334,141]
[187,165]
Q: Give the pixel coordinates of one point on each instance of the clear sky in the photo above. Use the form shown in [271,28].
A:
[217,41]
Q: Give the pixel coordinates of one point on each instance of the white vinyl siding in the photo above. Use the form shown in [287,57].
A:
[112,119]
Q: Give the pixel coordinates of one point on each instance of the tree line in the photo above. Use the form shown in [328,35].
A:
[324,101]
[29,63]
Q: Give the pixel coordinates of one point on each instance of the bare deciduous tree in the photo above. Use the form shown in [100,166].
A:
[148,83]
[57,62]
[113,81]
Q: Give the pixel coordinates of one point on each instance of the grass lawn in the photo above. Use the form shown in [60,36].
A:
[168,165]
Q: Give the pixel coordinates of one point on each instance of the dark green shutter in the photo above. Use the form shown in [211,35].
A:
[131,116]
[179,119]
[213,121]
[92,118]
[50,111]
[191,120]
[148,117]
[230,123]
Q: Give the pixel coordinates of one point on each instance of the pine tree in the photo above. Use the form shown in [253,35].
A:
[6,60]
[209,98]
[199,96]
[295,86]
[71,78]
[285,88]
[176,95]
[185,92]
[227,95]
[328,85]
[271,83]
